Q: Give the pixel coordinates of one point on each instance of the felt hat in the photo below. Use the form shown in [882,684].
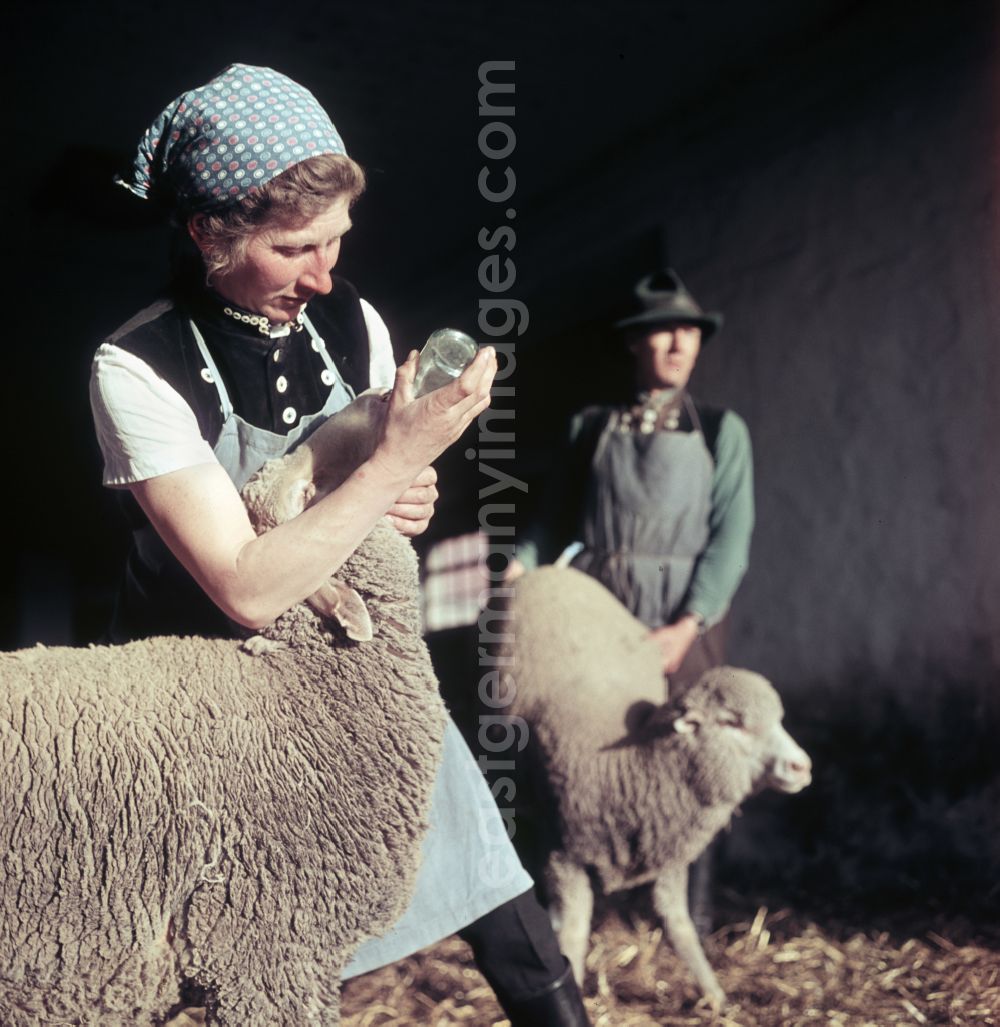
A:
[660,299]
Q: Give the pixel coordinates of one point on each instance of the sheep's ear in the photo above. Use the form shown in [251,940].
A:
[689,723]
[639,716]
[298,496]
[335,600]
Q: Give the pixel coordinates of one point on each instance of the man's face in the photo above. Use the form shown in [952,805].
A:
[666,357]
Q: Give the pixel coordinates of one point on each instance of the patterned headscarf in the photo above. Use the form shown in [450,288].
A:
[221,142]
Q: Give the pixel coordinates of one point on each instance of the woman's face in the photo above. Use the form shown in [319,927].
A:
[283,268]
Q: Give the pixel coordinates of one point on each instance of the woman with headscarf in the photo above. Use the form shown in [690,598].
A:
[255,343]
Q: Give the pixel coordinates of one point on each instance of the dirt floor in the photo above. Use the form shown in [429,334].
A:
[776,967]
[839,906]
[779,969]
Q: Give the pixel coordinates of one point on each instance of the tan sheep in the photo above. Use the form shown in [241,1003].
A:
[638,786]
[189,822]
[313,469]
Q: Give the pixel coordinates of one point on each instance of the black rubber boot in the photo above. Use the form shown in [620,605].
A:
[559,1005]
[518,954]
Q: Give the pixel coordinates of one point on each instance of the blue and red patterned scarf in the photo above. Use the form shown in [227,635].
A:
[218,143]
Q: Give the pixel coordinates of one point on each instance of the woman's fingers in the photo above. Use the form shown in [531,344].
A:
[417,431]
[473,386]
[402,392]
[428,476]
[412,512]
[476,379]
[420,495]
[407,527]
[480,373]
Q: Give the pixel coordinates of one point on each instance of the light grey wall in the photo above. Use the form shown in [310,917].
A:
[843,214]
[857,264]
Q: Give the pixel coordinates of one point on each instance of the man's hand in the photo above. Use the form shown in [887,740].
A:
[515,569]
[674,641]
[412,512]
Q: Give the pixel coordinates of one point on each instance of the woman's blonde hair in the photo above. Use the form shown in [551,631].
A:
[294,197]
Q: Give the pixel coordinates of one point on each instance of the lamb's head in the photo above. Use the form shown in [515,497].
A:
[731,721]
[283,488]
[384,567]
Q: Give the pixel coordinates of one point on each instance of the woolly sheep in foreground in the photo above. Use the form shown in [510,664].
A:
[186,821]
[640,786]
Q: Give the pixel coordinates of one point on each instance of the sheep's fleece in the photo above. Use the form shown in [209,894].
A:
[634,787]
[183,814]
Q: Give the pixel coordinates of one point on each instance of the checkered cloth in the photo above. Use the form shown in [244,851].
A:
[454,583]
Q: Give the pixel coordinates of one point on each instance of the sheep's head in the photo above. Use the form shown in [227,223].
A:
[283,488]
[736,715]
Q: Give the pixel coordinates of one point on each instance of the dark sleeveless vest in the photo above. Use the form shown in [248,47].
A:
[157,596]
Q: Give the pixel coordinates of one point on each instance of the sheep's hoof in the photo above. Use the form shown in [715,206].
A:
[714,998]
[258,645]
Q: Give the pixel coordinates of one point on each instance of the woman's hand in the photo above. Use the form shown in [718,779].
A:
[418,431]
[412,512]
[254,578]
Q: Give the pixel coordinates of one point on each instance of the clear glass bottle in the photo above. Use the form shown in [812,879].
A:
[445,355]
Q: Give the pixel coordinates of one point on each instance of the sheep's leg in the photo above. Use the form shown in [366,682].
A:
[571,906]
[295,994]
[670,900]
[258,969]
[700,882]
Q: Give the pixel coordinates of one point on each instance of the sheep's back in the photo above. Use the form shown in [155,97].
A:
[106,786]
[359,740]
[290,789]
[582,664]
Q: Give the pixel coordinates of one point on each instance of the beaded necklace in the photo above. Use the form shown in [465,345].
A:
[263,324]
[659,410]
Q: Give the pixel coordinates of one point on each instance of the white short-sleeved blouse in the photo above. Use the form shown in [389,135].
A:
[145,428]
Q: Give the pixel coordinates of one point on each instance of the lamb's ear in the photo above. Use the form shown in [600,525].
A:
[297,497]
[689,723]
[270,499]
[336,600]
[639,716]
[650,721]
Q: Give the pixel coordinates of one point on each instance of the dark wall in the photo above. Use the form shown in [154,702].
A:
[828,183]
[842,211]
[401,81]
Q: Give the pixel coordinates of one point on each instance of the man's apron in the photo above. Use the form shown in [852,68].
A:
[646,522]
[646,516]
[468,864]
